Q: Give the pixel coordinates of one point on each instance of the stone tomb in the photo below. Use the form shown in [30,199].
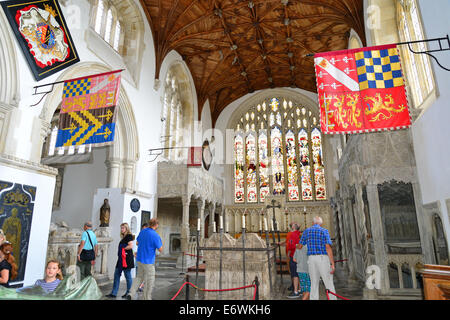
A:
[256,265]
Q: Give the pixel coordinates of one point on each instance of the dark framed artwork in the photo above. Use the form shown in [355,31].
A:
[16,215]
[43,35]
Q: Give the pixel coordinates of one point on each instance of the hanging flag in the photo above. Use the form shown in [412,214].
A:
[88,110]
[361,90]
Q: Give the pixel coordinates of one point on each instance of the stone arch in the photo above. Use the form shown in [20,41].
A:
[124,153]
[295,96]
[354,41]
[178,70]
[178,91]
[9,81]
[9,78]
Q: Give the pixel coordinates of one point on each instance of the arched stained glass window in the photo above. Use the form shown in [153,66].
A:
[264,180]
[319,171]
[239,189]
[292,166]
[252,193]
[278,151]
[305,168]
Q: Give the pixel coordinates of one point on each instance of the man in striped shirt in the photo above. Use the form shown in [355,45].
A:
[320,257]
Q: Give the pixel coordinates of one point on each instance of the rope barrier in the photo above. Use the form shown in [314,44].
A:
[334,294]
[341,260]
[211,290]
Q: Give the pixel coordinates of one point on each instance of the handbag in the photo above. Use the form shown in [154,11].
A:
[88,255]
[124,258]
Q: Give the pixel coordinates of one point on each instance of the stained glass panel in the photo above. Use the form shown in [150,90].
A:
[275,104]
[239,169]
[292,167]
[274,153]
[305,168]
[319,170]
[264,188]
[277,162]
[251,169]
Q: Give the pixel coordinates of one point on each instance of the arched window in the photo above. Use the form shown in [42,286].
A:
[418,67]
[117,35]
[109,22]
[112,31]
[99,16]
[278,150]
[173,119]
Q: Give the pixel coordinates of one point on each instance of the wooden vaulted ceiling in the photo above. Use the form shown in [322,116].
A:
[235,47]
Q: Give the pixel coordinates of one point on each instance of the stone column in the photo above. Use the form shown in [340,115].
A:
[378,234]
[361,225]
[201,214]
[113,173]
[350,238]
[186,200]
[425,228]
[128,171]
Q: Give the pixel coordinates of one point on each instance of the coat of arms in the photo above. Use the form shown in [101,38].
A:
[42,33]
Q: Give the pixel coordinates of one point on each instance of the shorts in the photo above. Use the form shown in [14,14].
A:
[305,282]
[293,267]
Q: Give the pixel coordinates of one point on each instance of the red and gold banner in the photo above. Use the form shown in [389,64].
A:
[361,90]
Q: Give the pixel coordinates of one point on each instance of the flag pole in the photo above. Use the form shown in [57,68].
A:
[409,43]
[63,81]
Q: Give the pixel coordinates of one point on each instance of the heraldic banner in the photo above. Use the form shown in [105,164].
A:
[88,110]
[42,33]
[361,90]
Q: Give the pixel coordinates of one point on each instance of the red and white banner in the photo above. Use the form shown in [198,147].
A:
[361,90]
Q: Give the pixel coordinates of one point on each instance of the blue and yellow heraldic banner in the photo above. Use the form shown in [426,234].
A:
[88,110]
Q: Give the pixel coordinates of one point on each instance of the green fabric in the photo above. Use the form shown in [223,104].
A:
[87,289]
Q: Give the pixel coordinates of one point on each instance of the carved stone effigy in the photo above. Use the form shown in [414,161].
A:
[63,246]
[256,265]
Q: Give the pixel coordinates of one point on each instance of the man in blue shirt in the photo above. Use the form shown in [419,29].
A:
[320,257]
[148,242]
[89,243]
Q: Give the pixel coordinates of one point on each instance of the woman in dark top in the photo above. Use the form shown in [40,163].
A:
[8,267]
[125,261]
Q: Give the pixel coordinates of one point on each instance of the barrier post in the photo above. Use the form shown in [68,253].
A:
[187,287]
[257,288]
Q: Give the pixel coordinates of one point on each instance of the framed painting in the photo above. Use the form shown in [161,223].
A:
[16,215]
[42,33]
